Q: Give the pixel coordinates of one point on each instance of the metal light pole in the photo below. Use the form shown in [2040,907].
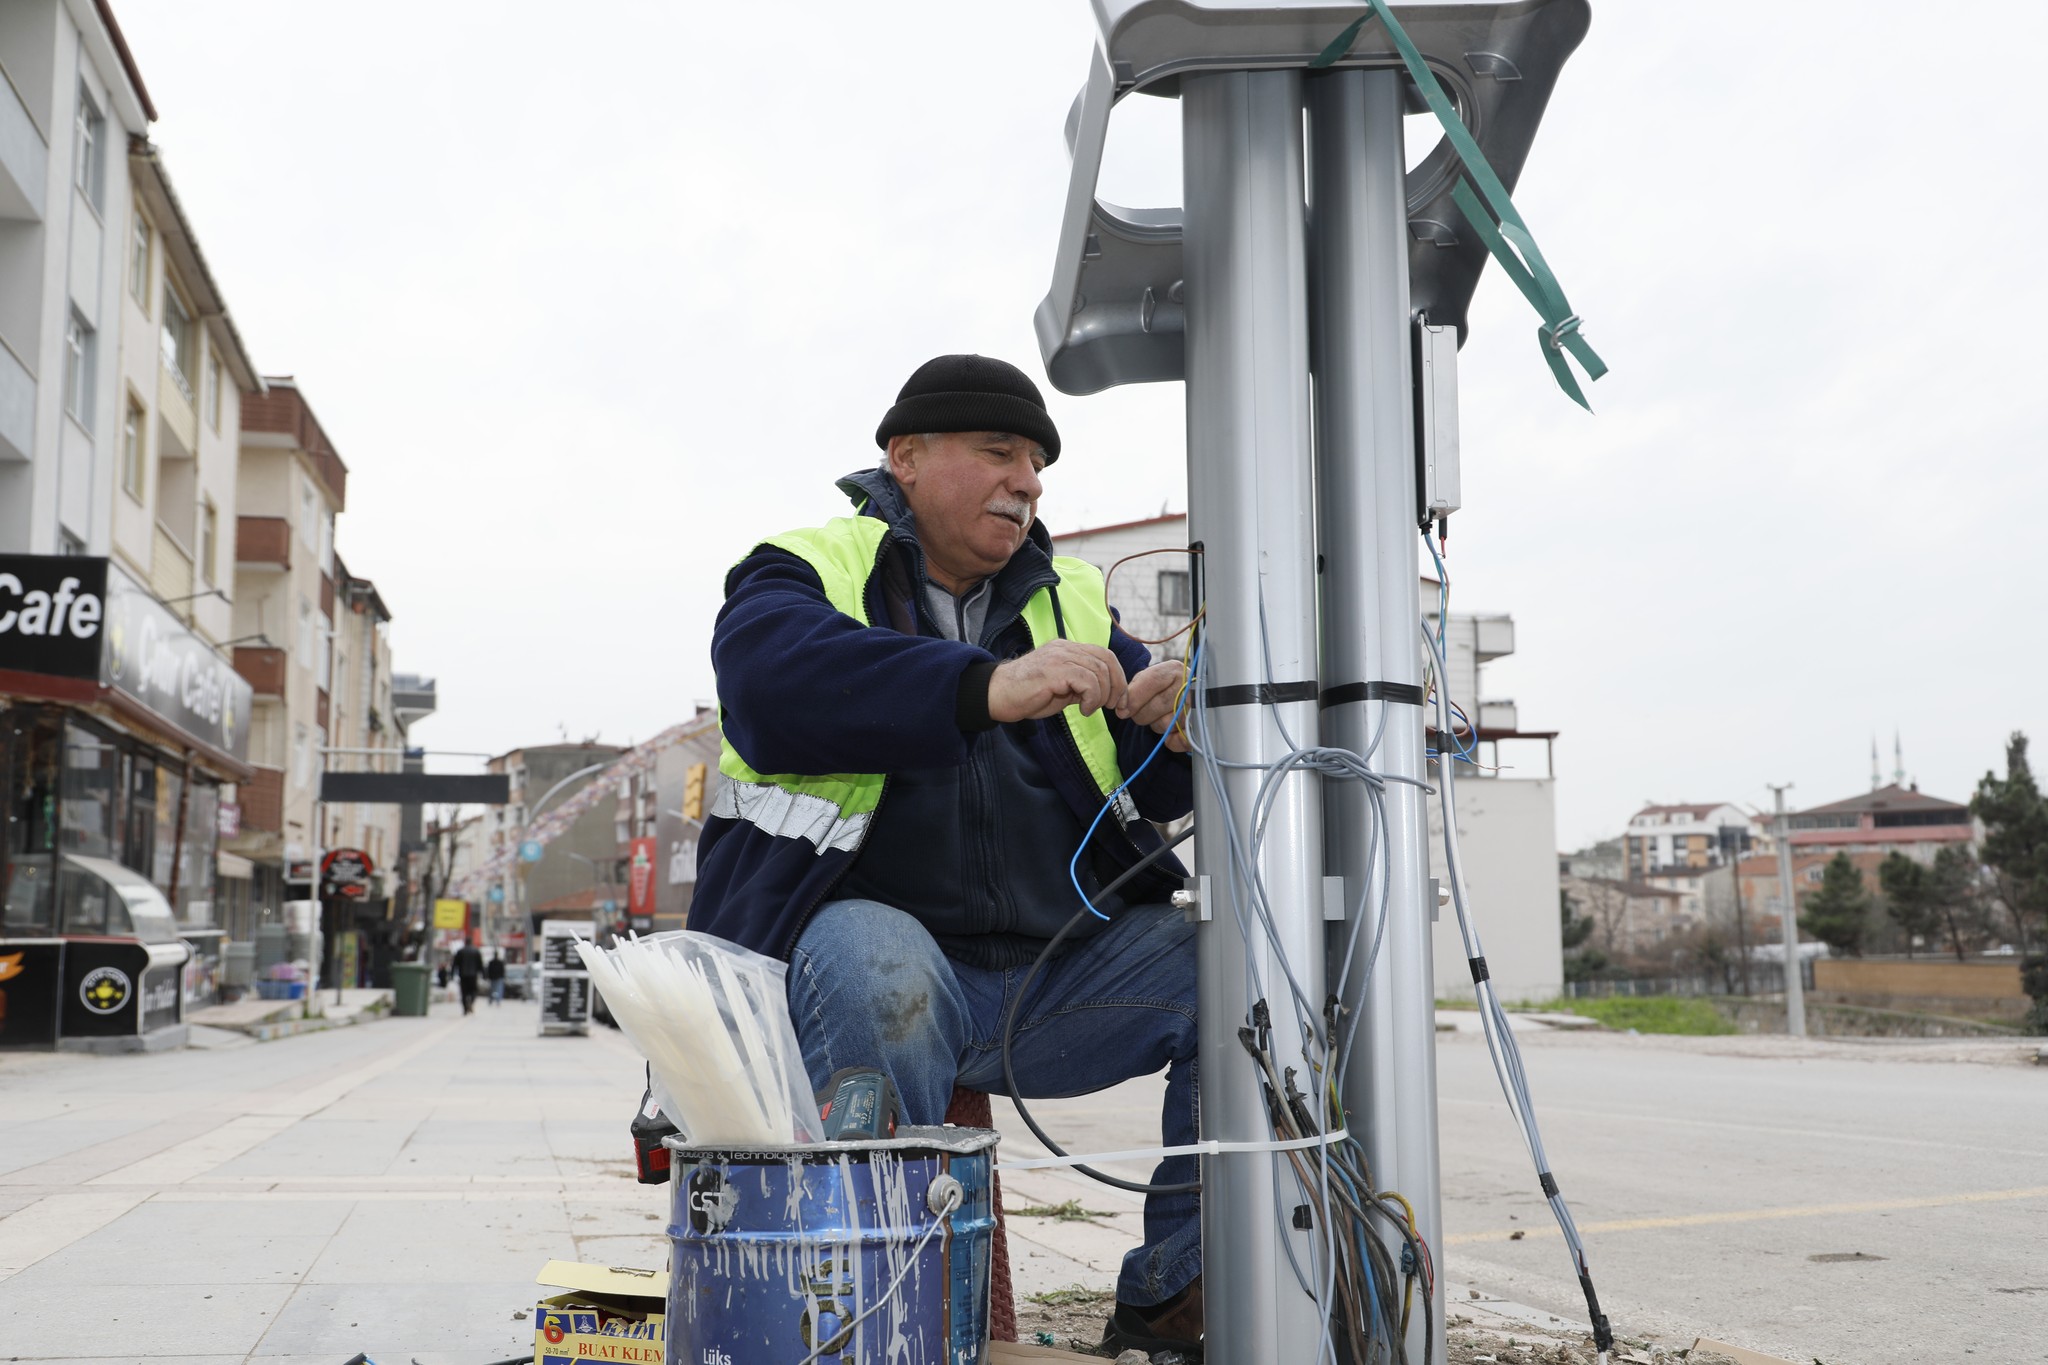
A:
[1795,986]
[1251,501]
[1372,655]
[1296,253]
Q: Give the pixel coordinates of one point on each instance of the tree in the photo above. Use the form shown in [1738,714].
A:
[2016,840]
[1573,929]
[1839,913]
[1908,897]
[1955,893]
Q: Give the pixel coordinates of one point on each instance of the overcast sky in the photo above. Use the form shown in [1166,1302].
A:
[590,298]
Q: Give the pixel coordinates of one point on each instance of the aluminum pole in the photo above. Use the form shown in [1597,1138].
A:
[1372,655]
[1788,910]
[1251,510]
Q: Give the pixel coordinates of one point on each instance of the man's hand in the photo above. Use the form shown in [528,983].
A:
[1056,675]
[1153,696]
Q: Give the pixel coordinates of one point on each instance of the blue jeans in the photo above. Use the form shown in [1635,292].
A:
[868,986]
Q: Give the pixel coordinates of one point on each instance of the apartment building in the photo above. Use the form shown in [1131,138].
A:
[180,375]
[1507,799]
[365,730]
[578,865]
[70,101]
[1688,837]
[290,485]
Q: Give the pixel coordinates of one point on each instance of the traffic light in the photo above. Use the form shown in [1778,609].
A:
[693,791]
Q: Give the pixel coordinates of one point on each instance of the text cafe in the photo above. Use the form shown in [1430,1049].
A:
[118,727]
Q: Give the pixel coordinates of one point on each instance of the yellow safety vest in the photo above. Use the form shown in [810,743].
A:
[832,810]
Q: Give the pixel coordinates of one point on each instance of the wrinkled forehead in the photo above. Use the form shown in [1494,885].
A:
[1008,440]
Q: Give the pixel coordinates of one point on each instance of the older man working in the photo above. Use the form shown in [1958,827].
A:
[924,710]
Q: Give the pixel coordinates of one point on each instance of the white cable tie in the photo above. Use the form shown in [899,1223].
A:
[1213,1147]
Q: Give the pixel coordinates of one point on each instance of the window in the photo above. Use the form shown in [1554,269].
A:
[209,537]
[138,261]
[305,649]
[212,389]
[177,341]
[302,755]
[309,514]
[89,133]
[1174,595]
[326,542]
[131,450]
[79,348]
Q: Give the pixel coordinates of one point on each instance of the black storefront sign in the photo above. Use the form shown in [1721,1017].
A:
[152,657]
[31,982]
[103,988]
[52,614]
[116,988]
[73,616]
[346,872]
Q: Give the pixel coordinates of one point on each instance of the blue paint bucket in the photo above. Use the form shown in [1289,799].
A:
[860,1253]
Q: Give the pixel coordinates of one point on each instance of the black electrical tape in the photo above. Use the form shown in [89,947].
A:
[1603,1335]
[1260,694]
[1549,1184]
[1479,972]
[1343,693]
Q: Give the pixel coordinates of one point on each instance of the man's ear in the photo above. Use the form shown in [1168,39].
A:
[904,452]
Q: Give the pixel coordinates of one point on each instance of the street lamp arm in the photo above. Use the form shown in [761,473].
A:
[546,796]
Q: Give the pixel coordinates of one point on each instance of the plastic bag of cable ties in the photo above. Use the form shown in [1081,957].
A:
[712,1020]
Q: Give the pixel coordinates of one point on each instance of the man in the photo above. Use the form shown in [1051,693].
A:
[923,712]
[468,964]
[494,972]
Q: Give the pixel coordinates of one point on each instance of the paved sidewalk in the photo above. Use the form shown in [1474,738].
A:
[390,1188]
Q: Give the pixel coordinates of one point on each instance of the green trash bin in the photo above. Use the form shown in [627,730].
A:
[409,986]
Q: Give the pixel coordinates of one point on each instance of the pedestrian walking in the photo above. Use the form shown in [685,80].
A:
[469,965]
[494,972]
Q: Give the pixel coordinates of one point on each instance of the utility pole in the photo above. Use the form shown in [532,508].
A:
[1795,989]
[1741,920]
[1291,291]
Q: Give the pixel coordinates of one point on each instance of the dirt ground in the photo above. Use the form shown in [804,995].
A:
[1072,1319]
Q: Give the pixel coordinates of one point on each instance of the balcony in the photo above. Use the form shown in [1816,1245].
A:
[412,697]
[327,596]
[264,542]
[24,158]
[17,407]
[262,669]
[262,799]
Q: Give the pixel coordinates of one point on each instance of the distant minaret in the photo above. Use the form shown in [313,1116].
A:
[1898,761]
[1876,778]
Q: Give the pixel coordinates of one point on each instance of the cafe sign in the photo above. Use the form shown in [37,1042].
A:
[75,616]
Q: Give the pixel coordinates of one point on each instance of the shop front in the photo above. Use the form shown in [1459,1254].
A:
[118,726]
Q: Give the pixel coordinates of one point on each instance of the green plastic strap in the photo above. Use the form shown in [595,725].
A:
[1495,219]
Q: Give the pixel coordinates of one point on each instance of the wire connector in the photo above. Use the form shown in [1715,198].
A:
[1603,1334]
[1479,971]
[1549,1183]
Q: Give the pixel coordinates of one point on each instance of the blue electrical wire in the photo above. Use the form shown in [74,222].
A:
[1074,863]
[1464,750]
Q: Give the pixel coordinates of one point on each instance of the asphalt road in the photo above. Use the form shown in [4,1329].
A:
[1873,1202]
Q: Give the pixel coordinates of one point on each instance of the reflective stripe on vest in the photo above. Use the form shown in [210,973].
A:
[832,810]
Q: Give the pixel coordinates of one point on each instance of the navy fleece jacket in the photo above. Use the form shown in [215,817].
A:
[806,689]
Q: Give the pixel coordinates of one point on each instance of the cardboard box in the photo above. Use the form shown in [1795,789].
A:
[609,1313]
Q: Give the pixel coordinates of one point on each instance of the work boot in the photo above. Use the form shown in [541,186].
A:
[1169,1333]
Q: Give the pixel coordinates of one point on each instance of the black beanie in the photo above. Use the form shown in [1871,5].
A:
[970,393]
